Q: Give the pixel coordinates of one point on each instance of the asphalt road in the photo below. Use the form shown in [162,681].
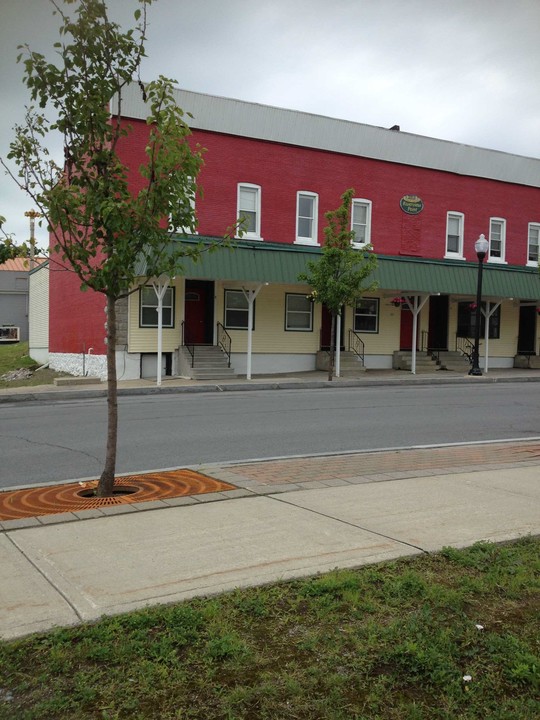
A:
[55,441]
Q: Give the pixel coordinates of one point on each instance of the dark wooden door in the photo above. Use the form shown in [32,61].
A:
[527,330]
[198,312]
[438,322]
[326,328]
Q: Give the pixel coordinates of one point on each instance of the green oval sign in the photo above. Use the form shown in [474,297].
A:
[411,204]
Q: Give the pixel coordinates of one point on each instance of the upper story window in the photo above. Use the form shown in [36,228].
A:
[361,222]
[454,235]
[534,241]
[148,305]
[186,211]
[306,218]
[249,209]
[497,239]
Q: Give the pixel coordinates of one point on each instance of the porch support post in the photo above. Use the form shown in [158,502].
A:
[160,286]
[488,312]
[415,304]
[338,344]
[250,295]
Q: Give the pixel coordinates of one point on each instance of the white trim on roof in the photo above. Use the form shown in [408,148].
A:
[264,122]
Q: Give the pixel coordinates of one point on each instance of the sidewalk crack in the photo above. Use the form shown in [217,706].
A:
[44,576]
[349,524]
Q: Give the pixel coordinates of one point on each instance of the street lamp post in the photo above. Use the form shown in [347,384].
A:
[481,247]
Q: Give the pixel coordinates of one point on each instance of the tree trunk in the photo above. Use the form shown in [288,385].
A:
[332,347]
[106,481]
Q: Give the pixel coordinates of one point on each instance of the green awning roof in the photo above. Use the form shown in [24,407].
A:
[247,261]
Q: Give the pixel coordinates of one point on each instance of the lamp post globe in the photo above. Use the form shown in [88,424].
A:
[481,247]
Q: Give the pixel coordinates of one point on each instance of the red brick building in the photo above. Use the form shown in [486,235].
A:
[421,202]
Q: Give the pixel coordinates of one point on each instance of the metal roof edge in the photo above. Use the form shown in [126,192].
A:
[266,122]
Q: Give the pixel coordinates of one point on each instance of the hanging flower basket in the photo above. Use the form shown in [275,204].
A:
[473,306]
[398,301]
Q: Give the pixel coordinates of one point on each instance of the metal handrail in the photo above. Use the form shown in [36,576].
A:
[189,348]
[465,346]
[224,341]
[356,345]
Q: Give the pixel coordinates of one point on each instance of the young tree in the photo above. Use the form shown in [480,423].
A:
[342,274]
[100,228]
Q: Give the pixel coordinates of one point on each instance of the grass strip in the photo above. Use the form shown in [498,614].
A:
[450,636]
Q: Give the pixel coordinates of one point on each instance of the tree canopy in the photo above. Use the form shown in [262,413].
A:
[105,217]
[342,274]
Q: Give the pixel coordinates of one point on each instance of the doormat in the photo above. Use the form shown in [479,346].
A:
[73,497]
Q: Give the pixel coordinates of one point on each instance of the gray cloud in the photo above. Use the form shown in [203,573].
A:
[464,71]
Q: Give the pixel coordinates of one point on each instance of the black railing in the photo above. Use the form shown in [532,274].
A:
[189,348]
[356,345]
[465,347]
[224,341]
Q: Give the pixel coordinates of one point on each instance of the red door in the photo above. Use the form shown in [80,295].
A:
[198,322]
[405,333]
[326,328]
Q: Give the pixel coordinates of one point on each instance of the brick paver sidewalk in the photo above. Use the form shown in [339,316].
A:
[321,471]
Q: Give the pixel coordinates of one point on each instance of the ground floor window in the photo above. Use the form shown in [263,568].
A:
[366,315]
[298,313]
[148,305]
[236,310]
[467,321]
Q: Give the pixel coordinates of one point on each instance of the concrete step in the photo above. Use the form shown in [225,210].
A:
[217,374]
[86,380]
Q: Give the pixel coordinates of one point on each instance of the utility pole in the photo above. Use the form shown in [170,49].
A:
[32,214]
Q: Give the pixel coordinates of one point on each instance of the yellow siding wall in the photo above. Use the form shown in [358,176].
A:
[270,335]
[506,345]
[144,340]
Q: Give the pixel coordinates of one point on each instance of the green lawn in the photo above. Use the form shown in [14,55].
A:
[15,356]
[386,642]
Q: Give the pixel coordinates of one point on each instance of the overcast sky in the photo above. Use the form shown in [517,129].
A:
[461,70]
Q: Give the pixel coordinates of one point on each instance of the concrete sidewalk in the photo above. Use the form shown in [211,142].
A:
[288,518]
[305,380]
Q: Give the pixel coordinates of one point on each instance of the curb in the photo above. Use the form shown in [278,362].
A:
[82,392]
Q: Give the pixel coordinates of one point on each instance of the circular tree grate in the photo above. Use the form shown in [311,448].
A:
[74,497]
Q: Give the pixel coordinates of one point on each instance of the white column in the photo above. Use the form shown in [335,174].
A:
[338,344]
[415,304]
[250,295]
[160,286]
[487,315]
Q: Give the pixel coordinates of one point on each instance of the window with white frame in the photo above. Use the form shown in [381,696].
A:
[236,310]
[298,313]
[186,209]
[454,234]
[534,242]
[148,305]
[306,218]
[361,222]
[249,209]
[497,239]
[366,315]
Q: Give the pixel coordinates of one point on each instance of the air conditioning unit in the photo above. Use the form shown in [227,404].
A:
[9,334]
